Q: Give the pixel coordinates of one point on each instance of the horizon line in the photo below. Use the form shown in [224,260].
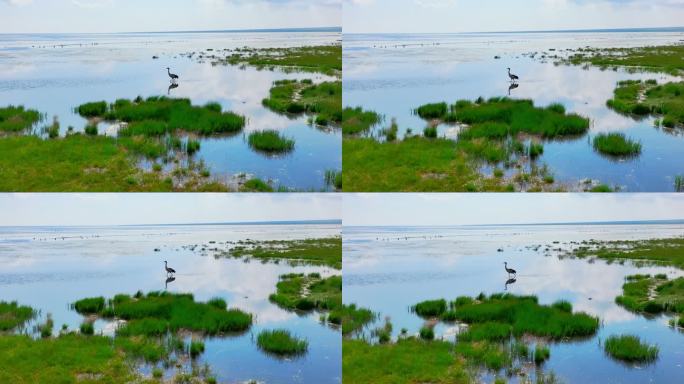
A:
[252,30]
[262,222]
[561,223]
[601,30]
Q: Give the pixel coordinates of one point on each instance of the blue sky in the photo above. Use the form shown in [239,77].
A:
[517,208]
[413,16]
[170,208]
[24,16]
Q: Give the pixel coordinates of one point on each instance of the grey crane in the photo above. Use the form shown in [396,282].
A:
[512,76]
[169,271]
[173,76]
[510,271]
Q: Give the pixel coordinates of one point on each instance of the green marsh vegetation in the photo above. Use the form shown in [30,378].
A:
[616,144]
[493,135]
[308,292]
[281,342]
[322,100]
[326,59]
[13,315]
[317,251]
[357,121]
[665,58]
[15,119]
[270,141]
[643,98]
[352,318]
[654,251]
[256,185]
[652,294]
[334,178]
[630,348]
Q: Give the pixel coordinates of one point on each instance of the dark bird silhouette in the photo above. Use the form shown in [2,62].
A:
[172,86]
[512,76]
[512,87]
[169,279]
[169,271]
[173,76]
[509,282]
[510,271]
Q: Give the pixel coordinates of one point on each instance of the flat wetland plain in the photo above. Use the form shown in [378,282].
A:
[162,149]
[549,323]
[410,148]
[231,330]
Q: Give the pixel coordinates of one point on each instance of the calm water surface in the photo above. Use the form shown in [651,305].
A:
[389,269]
[55,73]
[394,74]
[49,268]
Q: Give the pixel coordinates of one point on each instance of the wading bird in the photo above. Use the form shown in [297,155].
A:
[512,87]
[509,282]
[512,76]
[169,271]
[510,271]
[174,77]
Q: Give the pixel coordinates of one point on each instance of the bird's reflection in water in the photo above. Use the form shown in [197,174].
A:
[172,86]
[169,279]
[512,87]
[509,282]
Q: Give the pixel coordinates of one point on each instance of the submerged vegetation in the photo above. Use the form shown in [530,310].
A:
[270,141]
[17,119]
[356,120]
[616,144]
[323,100]
[652,294]
[280,342]
[310,292]
[654,251]
[13,315]
[664,58]
[353,319]
[630,348]
[321,251]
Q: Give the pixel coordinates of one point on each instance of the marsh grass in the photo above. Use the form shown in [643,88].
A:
[430,132]
[640,98]
[315,251]
[196,348]
[270,141]
[664,251]
[13,315]
[664,58]
[652,294]
[281,342]
[87,328]
[430,308]
[159,115]
[427,333]
[308,292]
[256,185]
[535,150]
[326,59]
[18,118]
[334,178]
[192,147]
[352,318]
[630,348]
[541,354]
[157,313]
[91,130]
[301,96]
[616,144]
[357,121]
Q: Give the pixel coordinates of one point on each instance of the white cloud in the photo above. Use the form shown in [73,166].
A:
[18,2]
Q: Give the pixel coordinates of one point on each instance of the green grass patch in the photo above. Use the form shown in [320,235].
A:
[654,251]
[664,58]
[408,361]
[301,96]
[520,315]
[326,59]
[356,120]
[308,292]
[256,185]
[640,98]
[87,328]
[18,119]
[353,319]
[159,115]
[321,251]
[13,315]
[541,354]
[334,178]
[430,308]
[157,313]
[281,342]
[270,141]
[652,294]
[616,144]
[630,348]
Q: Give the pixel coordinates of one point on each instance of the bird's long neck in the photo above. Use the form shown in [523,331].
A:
[169,71]
[509,71]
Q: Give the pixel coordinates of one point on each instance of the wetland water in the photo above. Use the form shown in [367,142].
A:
[54,73]
[51,267]
[394,74]
[389,269]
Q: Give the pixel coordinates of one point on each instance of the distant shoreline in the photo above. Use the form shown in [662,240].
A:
[608,30]
[266,30]
[285,222]
[633,222]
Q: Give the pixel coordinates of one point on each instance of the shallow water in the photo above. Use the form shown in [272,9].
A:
[50,267]
[394,74]
[389,269]
[56,73]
